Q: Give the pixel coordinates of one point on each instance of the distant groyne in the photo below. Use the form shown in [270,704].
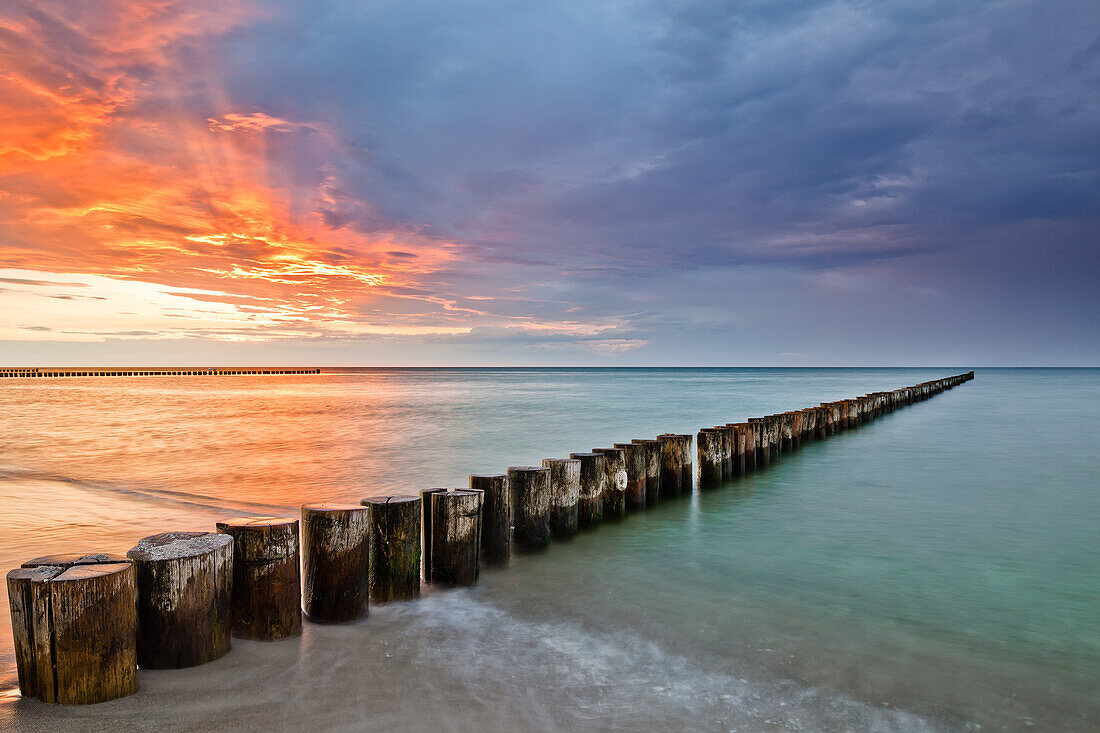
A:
[83,623]
[33,372]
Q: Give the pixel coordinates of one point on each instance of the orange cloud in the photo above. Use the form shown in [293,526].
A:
[113,166]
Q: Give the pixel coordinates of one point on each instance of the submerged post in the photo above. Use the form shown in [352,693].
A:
[592,484]
[335,561]
[184,588]
[496,516]
[456,536]
[671,464]
[565,491]
[267,588]
[739,464]
[614,492]
[654,457]
[394,547]
[709,451]
[635,474]
[530,488]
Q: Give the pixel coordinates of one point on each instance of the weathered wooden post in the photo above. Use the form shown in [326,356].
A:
[565,491]
[394,547]
[267,588]
[793,426]
[786,436]
[709,457]
[653,460]
[426,532]
[496,516]
[748,437]
[739,466]
[762,438]
[821,418]
[74,628]
[593,481]
[456,536]
[335,561]
[635,474]
[614,491]
[687,470]
[727,451]
[671,463]
[530,488]
[184,587]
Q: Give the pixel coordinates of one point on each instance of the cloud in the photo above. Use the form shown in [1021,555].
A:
[526,172]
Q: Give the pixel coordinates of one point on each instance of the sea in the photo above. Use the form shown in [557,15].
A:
[937,569]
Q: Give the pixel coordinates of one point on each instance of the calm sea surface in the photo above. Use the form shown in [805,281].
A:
[938,569]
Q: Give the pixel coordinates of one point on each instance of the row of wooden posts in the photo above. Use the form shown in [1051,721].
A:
[35,372]
[83,624]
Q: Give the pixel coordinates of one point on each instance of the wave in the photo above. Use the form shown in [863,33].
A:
[169,496]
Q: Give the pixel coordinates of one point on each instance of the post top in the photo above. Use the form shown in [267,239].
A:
[173,545]
[587,455]
[64,560]
[393,499]
[326,507]
[488,475]
[255,522]
[463,492]
[527,469]
[38,574]
[645,441]
[616,449]
[87,572]
[547,461]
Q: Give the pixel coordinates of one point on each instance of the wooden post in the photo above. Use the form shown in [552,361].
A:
[456,536]
[530,488]
[335,561]
[748,438]
[786,437]
[635,474]
[738,449]
[426,531]
[565,491]
[727,451]
[614,491]
[821,422]
[653,459]
[593,482]
[671,462]
[184,584]
[761,436]
[74,627]
[853,413]
[687,470]
[793,420]
[267,587]
[496,516]
[394,547]
[709,457]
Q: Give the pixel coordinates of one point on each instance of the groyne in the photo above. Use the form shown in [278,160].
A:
[35,372]
[84,624]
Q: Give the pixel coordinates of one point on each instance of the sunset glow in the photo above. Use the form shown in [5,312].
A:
[157,207]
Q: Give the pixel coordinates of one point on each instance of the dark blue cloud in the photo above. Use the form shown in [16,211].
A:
[615,157]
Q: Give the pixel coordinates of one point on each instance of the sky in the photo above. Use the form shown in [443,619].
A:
[490,182]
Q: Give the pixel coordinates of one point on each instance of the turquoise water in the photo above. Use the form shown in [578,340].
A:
[936,569]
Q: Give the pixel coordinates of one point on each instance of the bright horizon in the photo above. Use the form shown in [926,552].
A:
[262,182]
